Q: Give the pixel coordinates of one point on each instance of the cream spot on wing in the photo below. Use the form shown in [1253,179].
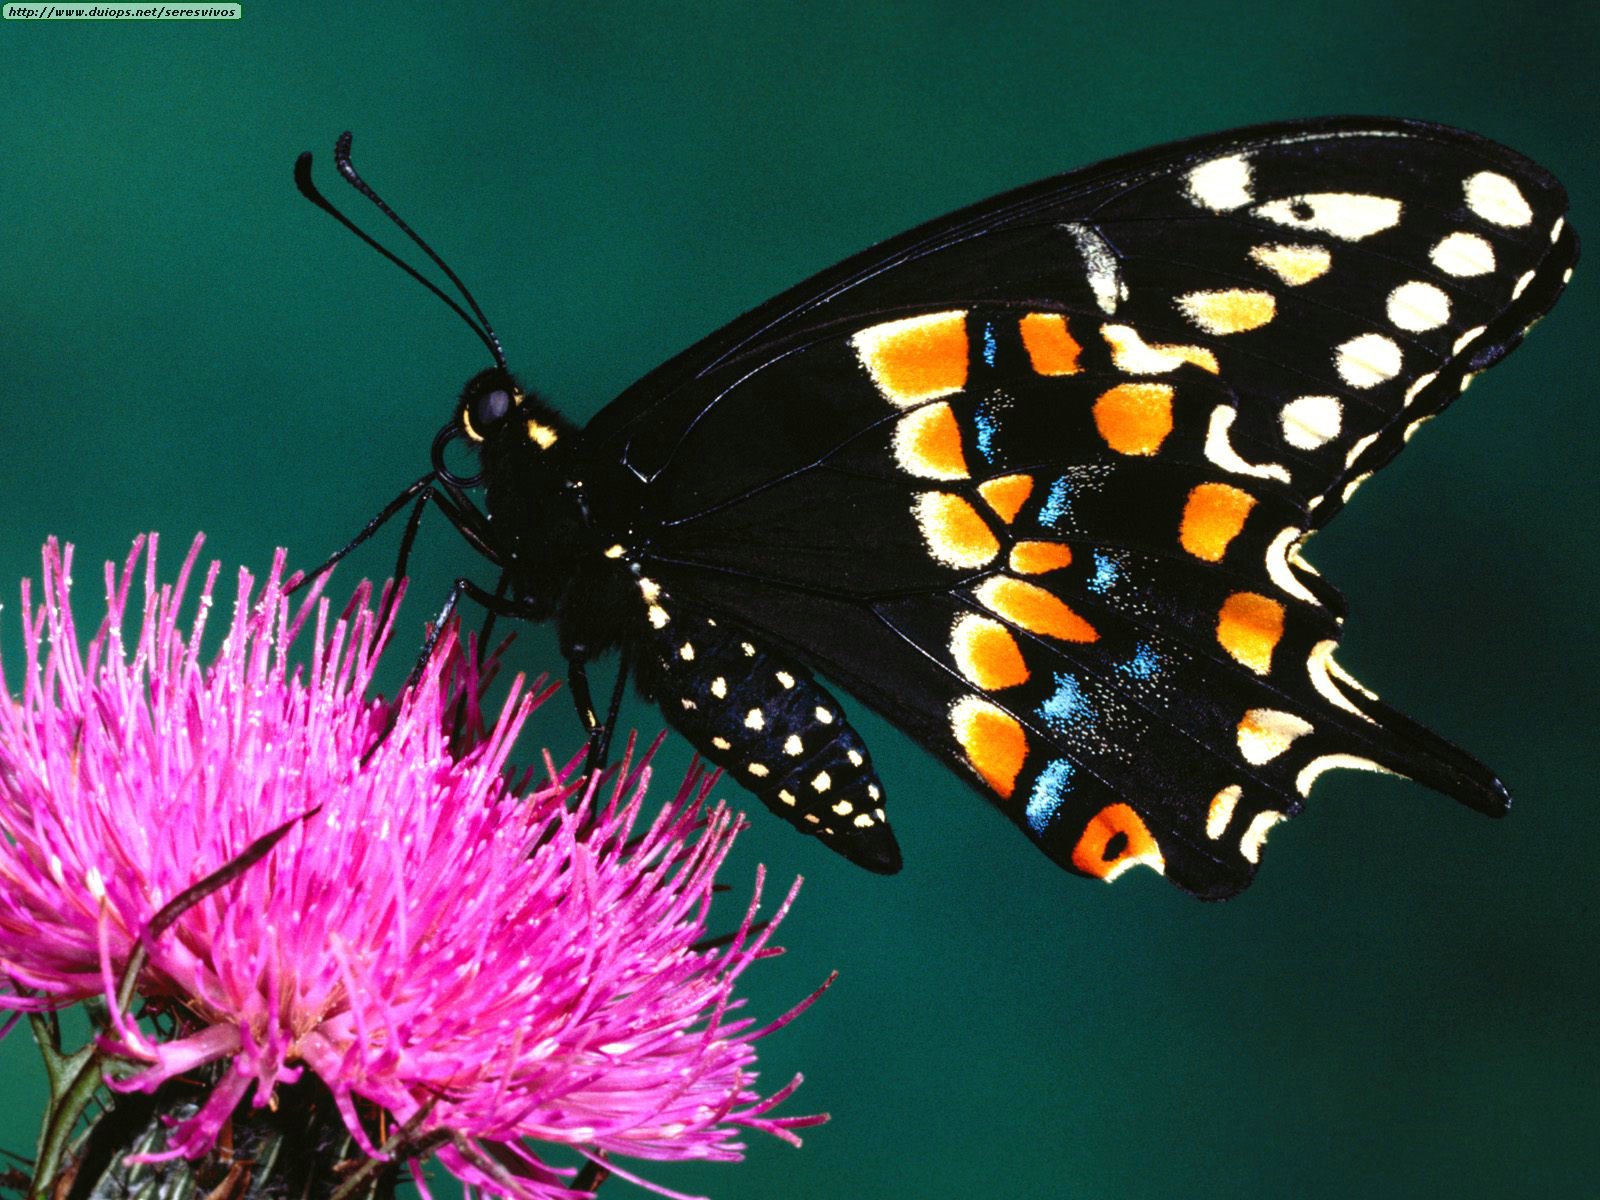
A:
[686,652]
[719,688]
[1418,384]
[1221,184]
[1368,360]
[1497,200]
[1256,835]
[1418,306]
[1320,667]
[658,616]
[1130,353]
[1463,255]
[1357,450]
[785,680]
[1466,339]
[1293,264]
[822,782]
[1100,266]
[1329,762]
[855,757]
[824,716]
[1278,569]
[1310,421]
[755,719]
[1221,452]
[1235,310]
[1221,810]
[1345,215]
[1521,285]
[1350,488]
[793,745]
[1265,733]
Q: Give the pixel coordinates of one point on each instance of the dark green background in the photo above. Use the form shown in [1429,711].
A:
[1405,1003]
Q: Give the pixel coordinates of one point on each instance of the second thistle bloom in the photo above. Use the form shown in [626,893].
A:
[505,965]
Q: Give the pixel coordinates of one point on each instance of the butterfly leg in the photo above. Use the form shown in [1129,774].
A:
[599,731]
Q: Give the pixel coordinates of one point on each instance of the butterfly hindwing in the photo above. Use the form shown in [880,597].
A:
[1033,481]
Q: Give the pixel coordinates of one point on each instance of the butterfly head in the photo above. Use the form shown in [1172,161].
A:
[494,415]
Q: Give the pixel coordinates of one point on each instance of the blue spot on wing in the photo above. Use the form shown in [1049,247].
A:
[1049,791]
[1068,709]
[989,345]
[1145,664]
[1106,573]
[1056,503]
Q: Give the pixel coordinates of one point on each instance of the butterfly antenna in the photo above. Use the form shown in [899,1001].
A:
[341,159]
[308,189]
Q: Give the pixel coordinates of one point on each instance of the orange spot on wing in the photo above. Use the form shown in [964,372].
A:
[1249,628]
[1052,349]
[1114,840]
[1007,494]
[1213,515]
[954,532]
[993,740]
[1035,558]
[917,358]
[927,443]
[1134,418]
[1033,608]
[986,653]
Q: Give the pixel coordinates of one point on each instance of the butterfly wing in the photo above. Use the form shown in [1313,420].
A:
[1032,480]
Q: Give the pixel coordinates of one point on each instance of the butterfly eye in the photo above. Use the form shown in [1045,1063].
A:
[489,409]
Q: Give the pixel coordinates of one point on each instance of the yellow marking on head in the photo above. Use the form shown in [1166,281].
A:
[1134,418]
[1130,353]
[1295,265]
[1114,840]
[615,551]
[918,358]
[1035,558]
[1249,627]
[1052,350]
[993,740]
[467,426]
[541,435]
[1234,310]
[1221,810]
[986,653]
[1265,733]
[1030,607]
[1213,515]
[954,532]
[927,443]
[1007,494]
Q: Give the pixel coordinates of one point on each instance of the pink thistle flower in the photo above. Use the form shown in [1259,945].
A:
[494,964]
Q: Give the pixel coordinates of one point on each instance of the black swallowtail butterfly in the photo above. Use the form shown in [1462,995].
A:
[1032,480]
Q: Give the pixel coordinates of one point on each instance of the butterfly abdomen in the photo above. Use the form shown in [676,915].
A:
[766,721]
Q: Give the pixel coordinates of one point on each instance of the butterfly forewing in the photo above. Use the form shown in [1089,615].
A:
[1033,480]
